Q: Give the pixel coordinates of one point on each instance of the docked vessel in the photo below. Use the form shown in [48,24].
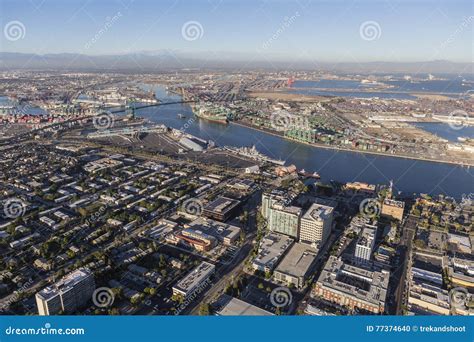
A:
[252,153]
[212,113]
[309,174]
[465,139]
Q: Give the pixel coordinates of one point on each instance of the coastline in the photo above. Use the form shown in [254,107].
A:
[351,150]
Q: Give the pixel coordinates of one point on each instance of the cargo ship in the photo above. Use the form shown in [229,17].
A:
[212,113]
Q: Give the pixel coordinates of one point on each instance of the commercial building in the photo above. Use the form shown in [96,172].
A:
[196,238]
[352,286]
[269,199]
[67,295]
[204,234]
[102,164]
[194,280]
[365,245]
[362,187]
[221,209]
[425,298]
[285,219]
[316,224]
[226,234]
[243,185]
[459,243]
[272,248]
[426,294]
[296,266]
[230,306]
[162,228]
[392,208]
[461,272]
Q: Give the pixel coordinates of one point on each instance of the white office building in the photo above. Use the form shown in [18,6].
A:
[196,279]
[365,245]
[67,295]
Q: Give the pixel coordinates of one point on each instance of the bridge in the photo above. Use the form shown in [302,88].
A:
[58,124]
[133,108]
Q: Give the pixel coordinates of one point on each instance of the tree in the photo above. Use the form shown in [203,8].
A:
[114,312]
[242,236]
[204,309]
[135,300]
[419,243]
[244,217]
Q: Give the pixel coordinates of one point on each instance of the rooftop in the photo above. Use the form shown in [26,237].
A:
[236,307]
[66,283]
[367,237]
[222,204]
[271,249]
[195,277]
[394,203]
[218,230]
[298,261]
[287,209]
[318,212]
[364,284]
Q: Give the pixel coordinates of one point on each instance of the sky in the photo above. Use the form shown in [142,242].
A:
[336,31]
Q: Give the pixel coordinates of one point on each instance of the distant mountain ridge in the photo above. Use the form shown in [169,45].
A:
[155,61]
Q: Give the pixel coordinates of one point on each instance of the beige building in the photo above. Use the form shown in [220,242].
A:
[392,208]
[316,224]
[352,286]
[296,266]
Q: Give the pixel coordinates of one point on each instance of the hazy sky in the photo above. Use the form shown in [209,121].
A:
[353,31]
